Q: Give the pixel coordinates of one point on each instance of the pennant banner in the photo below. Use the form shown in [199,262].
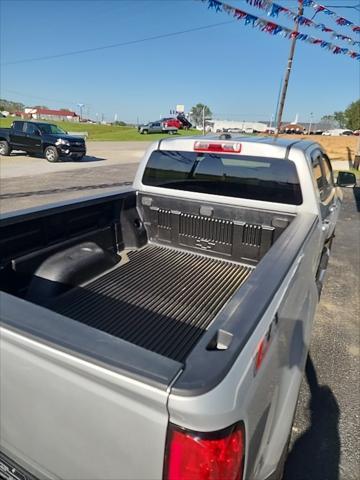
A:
[339,20]
[273,10]
[275,29]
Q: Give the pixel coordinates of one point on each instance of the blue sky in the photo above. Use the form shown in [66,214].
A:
[234,69]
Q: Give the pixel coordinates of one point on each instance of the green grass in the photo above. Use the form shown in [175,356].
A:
[107,132]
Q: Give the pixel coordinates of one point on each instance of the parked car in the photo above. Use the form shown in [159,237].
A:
[161,332]
[41,138]
[172,122]
[337,132]
[270,131]
[156,127]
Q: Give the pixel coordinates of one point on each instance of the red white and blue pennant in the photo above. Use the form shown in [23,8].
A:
[273,10]
[273,28]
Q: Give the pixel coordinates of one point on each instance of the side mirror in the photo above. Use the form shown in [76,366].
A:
[346,179]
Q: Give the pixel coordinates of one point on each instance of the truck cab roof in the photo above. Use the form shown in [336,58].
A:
[281,144]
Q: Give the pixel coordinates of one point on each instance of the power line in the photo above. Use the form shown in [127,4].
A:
[116,45]
[36,97]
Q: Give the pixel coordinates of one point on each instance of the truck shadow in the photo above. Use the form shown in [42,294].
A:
[52,191]
[316,453]
[356,191]
[86,159]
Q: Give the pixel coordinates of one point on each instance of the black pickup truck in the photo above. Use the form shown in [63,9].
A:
[41,138]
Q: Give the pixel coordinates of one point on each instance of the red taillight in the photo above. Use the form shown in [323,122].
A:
[205,456]
[227,147]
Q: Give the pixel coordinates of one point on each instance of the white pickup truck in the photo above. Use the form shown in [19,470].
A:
[161,332]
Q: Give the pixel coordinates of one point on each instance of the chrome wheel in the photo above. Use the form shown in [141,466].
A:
[50,155]
[4,148]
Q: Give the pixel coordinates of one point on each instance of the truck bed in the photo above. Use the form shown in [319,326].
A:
[162,299]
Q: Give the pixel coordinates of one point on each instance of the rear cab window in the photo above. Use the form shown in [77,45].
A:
[30,128]
[18,126]
[250,177]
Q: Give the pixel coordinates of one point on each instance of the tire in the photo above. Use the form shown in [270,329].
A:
[5,148]
[51,154]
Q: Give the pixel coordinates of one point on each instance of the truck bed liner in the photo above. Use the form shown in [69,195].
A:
[163,299]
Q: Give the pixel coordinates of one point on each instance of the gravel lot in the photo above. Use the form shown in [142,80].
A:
[325,443]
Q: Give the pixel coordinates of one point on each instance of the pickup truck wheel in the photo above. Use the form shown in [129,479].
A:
[51,154]
[4,148]
[145,132]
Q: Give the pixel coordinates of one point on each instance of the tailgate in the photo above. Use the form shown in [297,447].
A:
[63,416]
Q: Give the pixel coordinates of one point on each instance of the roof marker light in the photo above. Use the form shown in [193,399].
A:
[225,147]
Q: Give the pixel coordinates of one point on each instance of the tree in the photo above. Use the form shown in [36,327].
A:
[352,116]
[340,119]
[327,122]
[42,107]
[10,106]
[198,112]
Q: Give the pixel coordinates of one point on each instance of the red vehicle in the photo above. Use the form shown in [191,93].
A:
[172,122]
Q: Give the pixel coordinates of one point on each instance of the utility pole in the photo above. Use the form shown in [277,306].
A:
[311,121]
[203,119]
[271,121]
[80,105]
[288,69]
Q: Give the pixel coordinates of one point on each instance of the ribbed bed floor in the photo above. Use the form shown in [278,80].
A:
[162,299]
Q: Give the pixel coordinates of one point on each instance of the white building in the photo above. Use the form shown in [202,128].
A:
[241,126]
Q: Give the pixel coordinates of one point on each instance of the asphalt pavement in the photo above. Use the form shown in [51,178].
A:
[99,154]
[27,181]
[325,442]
